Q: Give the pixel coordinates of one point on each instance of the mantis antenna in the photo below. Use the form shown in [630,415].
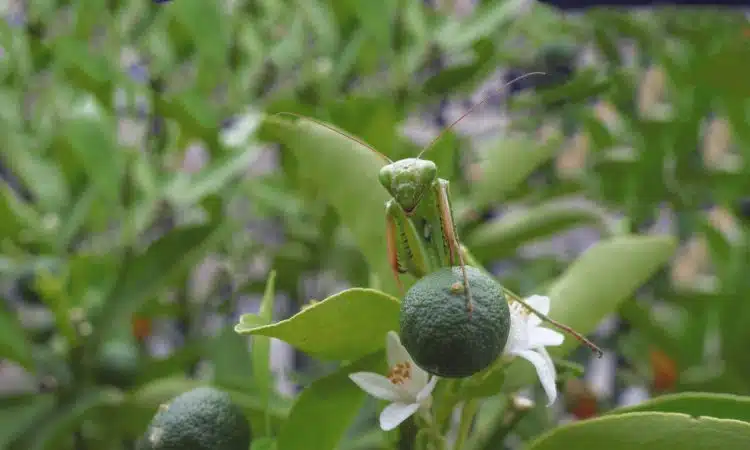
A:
[448,128]
[431,144]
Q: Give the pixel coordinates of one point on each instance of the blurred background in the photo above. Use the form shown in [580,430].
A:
[143,202]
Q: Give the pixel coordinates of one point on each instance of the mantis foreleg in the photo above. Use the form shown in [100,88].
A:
[406,253]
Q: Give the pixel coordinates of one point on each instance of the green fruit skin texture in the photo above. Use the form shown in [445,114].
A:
[204,418]
[438,332]
[118,363]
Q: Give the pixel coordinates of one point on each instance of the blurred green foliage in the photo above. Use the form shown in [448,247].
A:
[104,220]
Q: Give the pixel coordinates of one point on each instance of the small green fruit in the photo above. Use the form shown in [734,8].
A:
[440,334]
[204,418]
[118,363]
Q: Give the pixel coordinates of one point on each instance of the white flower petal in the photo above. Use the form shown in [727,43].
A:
[544,337]
[518,338]
[395,413]
[377,385]
[418,380]
[545,369]
[395,352]
[540,303]
[427,390]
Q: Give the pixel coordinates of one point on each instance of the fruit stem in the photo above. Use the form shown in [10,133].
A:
[468,411]
[433,432]
[567,329]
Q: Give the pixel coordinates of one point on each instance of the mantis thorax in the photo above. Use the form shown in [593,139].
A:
[407,180]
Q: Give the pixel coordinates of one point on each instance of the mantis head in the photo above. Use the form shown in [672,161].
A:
[407,180]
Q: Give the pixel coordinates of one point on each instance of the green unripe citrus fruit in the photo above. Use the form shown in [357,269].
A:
[440,334]
[118,363]
[204,418]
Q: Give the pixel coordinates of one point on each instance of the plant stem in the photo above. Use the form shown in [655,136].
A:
[468,412]
[430,426]
[508,421]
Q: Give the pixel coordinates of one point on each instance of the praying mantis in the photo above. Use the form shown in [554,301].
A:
[421,234]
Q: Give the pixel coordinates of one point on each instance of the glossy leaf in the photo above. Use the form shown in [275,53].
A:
[325,409]
[594,286]
[604,276]
[508,163]
[696,404]
[344,173]
[648,431]
[344,326]
[502,237]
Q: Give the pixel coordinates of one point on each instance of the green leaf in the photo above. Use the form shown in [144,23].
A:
[187,355]
[344,173]
[646,431]
[40,175]
[19,413]
[586,84]
[13,342]
[87,71]
[196,116]
[69,416]
[508,163]
[143,275]
[263,443]
[188,190]
[325,409]
[604,276]
[193,18]
[594,286]
[500,238]
[19,218]
[91,140]
[287,52]
[321,20]
[377,19]
[696,404]
[231,360]
[485,22]
[453,78]
[344,326]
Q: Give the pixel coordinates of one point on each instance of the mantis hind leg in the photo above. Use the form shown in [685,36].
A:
[451,236]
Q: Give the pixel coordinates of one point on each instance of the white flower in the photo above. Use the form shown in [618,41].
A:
[527,339]
[406,386]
